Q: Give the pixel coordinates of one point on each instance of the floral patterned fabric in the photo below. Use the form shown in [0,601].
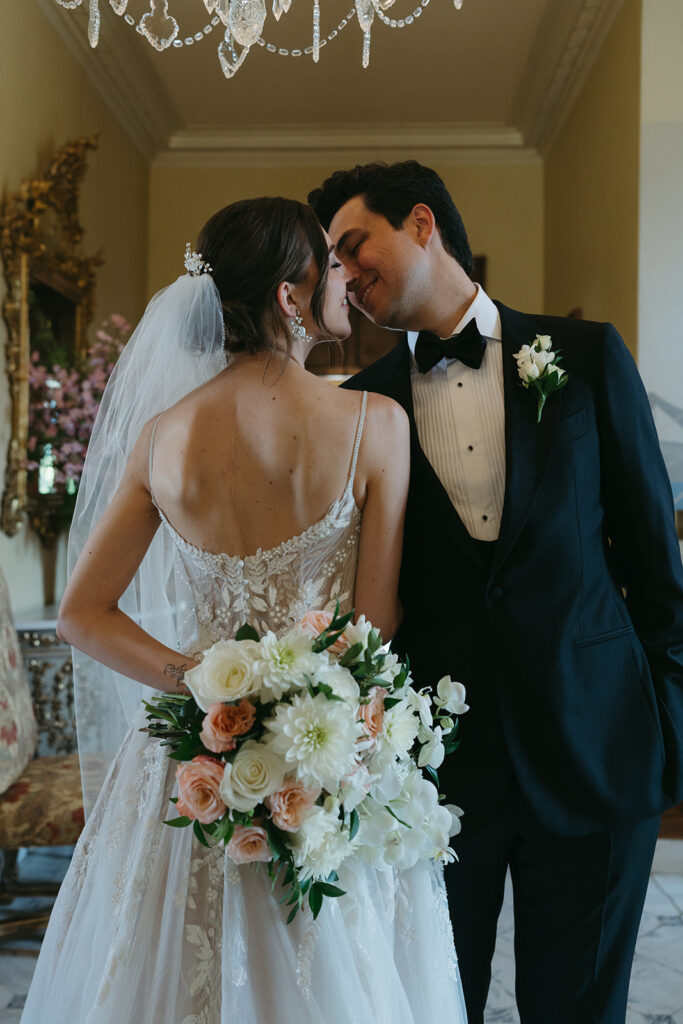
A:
[44,807]
[18,734]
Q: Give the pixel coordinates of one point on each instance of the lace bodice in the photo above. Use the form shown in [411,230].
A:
[273,588]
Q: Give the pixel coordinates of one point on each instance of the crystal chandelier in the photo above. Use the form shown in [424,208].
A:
[242,22]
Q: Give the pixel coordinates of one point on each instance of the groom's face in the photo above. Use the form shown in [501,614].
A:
[386,265]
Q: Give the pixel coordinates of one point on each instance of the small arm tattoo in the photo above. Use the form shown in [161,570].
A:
[177,672]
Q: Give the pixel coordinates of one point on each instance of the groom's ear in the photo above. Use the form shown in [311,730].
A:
[423,224]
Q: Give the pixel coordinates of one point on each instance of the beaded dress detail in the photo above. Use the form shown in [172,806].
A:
[152,927]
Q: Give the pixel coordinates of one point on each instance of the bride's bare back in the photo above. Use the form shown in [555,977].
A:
[258,455]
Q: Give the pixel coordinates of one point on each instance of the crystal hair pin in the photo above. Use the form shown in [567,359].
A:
[195,264]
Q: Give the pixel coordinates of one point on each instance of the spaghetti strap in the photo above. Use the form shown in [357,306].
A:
[151,459]
[359,434]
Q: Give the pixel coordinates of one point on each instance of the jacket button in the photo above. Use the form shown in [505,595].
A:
[495,593]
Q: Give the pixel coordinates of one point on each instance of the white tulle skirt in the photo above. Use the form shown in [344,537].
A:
[150,927]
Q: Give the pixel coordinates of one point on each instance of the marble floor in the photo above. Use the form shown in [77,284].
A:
[655,997]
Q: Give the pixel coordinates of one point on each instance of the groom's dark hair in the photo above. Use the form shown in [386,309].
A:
[392,190]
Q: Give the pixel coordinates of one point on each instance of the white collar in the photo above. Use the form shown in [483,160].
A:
[487,316]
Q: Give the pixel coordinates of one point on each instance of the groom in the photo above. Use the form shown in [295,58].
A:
[541,568]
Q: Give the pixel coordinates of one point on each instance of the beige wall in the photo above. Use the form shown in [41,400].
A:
[501,204]
[48,100]
[591,189]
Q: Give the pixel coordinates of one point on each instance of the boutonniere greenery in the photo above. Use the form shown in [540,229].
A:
[539,371]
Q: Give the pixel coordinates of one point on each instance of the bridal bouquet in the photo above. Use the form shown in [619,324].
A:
[301,750]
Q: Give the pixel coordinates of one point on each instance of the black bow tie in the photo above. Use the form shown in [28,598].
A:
[468,346]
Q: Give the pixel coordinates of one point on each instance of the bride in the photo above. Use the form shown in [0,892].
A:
[213,438]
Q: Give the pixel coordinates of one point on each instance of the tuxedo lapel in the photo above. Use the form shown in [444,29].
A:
[428,497]
[528,444]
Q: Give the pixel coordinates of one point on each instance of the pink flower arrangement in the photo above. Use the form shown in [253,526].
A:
[64,403]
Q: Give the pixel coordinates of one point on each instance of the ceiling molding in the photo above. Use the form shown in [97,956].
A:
[129,86]
[298,145]
[566,47]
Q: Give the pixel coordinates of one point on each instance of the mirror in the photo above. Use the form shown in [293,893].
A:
[48,305]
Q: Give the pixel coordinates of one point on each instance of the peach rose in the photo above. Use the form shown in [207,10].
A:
[315,622]
[248,843]
[372,714]
[290,805]
[198,784]
[225,721]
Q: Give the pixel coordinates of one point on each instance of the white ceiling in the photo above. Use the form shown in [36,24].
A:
[495,78]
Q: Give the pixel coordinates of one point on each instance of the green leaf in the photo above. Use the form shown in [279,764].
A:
[292,914]
[246,632]
[199,833]
[374,641]
[389,702]
[330,890]
[315,899]
[179,822]
[400,820]
[354,822]
[350,655]
[431,772]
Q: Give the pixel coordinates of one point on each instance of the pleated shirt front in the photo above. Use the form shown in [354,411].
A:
[460,419]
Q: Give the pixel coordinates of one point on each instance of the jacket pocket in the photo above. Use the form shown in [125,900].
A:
[571,427]
[599,638]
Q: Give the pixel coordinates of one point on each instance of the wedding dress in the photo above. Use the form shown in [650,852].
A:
[150,927]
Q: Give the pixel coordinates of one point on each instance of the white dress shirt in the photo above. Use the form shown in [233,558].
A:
[460,419]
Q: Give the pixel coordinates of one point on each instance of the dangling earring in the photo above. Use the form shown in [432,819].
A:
[297,327]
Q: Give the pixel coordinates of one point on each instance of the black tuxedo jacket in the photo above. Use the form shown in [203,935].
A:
[575,690]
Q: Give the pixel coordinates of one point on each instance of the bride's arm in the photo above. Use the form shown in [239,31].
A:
[384,466]
[89,616]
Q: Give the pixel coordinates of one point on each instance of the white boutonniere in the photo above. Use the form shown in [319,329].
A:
[539,371]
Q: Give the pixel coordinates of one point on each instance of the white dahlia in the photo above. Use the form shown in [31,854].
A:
[320,846]
[284,662]
[316,737]
[400,728]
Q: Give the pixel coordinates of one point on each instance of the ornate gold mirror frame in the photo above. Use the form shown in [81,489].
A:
[40,236]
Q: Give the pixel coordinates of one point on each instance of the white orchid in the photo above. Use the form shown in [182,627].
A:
[451,696]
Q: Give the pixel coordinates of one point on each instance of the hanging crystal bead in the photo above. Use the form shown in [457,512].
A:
[316,30]
[366,49]
[281,7]
[119,6]
[70,4]
[210,5]
[227,55]
[157,26]
[245,20]
[365,13]
[457,4]
[94,23]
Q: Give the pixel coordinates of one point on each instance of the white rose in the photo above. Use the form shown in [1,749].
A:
[544,341]
[451,696]
[541,359]
[256,772]
[523,355]
[226,673]
[557,370]
[355,786]
[529,370]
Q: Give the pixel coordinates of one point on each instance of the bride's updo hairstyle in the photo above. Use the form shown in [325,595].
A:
[253,246]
